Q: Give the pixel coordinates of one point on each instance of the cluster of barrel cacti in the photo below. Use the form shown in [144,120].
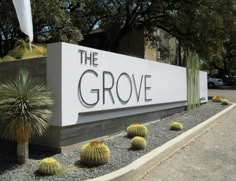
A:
[95,153]
[49,166]
[136,130]
[177,126]
[221,99]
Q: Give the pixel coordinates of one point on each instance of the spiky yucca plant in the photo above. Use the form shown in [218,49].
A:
[225,102]
[217,98]
[23,111]
[138,143]
[95,153]
[176,126]
[136,130]
[49,166]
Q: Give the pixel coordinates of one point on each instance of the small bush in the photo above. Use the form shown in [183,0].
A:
[49,166]
[138,143]
[217,98]
[225,102]
[95,153]
[176,126]
[136,130]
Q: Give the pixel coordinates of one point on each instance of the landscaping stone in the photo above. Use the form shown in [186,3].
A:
[121,154]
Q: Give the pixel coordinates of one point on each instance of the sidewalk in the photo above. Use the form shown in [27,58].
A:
[211,157]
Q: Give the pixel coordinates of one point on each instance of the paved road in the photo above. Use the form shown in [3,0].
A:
[212,157]
[229,94]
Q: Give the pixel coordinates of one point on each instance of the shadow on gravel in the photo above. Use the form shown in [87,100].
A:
[78,164]
[40,154]
[7,165]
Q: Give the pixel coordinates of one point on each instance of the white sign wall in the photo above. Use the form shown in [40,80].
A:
[86,80]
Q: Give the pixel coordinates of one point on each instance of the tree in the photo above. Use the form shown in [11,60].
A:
[197,24]
[24,112]
[51,23]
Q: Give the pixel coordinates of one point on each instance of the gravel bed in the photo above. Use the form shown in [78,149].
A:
[158,134]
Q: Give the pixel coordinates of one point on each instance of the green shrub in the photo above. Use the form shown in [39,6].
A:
[217,98]
[176,126]
[95,153]
[136,130]
[138,143]
[49,166]
[225,102]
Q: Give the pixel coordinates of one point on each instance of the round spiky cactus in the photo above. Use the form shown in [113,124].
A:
[176,126]
[49,166]
[95,153]
[225,102]
[136,130]
[138,143]
[217,98]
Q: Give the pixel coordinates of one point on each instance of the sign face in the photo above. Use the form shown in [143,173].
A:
[91,80]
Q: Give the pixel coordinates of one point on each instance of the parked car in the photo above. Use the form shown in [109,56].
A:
[214,82]
[227,80]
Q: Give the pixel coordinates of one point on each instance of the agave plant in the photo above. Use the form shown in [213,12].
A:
[23,112]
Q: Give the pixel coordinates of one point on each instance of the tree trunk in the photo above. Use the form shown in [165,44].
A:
[22,152]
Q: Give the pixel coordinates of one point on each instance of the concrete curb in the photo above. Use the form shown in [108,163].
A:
[141,166]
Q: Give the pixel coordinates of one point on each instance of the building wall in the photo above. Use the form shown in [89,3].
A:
[132,43]
[150,52]
[36,67]
[171,43]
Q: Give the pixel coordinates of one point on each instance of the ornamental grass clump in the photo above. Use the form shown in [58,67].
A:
[138,143]
[49,166]
[217,98]
[177,126]
[24,112]
[136,130]
[95,153]
[225,102]
[22,50]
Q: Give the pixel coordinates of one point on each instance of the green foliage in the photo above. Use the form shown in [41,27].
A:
[52,22]
[138,143]
[23,108]
[136,130]
[49,166]
[95,153]
[225,102]
[178,126]
[217,98]
[193,84]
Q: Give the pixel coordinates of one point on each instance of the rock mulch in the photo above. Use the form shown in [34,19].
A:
[121,155]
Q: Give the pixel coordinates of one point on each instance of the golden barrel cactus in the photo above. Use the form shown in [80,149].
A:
[136,130]
[49,166]
[225,102]
[217,98]
[95,153]
[138,143]
[176,126]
